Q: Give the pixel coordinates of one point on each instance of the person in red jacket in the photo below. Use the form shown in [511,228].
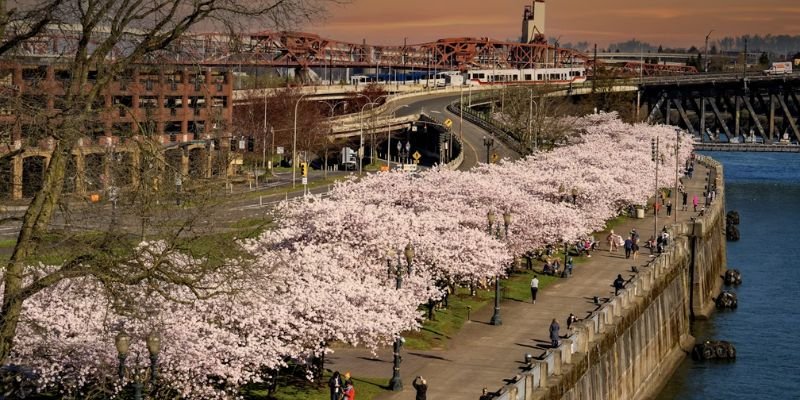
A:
[349,391]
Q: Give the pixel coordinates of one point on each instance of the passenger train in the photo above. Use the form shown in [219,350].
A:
[481,77]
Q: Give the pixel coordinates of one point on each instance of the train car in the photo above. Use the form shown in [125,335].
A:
[553,76]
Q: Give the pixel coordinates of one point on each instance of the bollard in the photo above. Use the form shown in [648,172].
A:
[261,201]
[469,308]
[528,358]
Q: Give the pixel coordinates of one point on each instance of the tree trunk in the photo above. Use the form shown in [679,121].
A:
[34,224]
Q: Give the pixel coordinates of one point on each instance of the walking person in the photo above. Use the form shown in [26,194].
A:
[534,288]
[612,242]
[695,201]
[635,249]
[421,387]
[628,247]
[619,284]
[554,337]
[669,208]
[335,385]
[685,197]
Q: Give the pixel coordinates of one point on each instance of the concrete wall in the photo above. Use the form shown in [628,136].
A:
[630,346]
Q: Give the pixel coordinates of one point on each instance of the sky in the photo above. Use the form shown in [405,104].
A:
[669,22]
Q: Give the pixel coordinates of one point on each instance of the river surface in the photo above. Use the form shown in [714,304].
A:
[765,189]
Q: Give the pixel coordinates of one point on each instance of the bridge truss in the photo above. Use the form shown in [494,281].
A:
[307,50]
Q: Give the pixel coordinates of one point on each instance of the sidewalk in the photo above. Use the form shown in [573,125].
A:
[482,355]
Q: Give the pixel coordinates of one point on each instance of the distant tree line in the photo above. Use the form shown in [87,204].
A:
[779,46]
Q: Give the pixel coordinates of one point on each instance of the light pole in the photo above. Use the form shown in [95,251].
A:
[141,376]
[530,121]
[705,61]
[655,157]
[675,192]
[496,320]
[489,143]
[396,383]
[294,142]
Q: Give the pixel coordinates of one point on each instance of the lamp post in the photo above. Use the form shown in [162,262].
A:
[705,50]
[490,216]
[396,383]
[655,158]
[141,376]
[675,191]
[530,121]
[294,142]
[489,143]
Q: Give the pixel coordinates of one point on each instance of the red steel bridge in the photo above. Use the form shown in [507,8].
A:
[307,50]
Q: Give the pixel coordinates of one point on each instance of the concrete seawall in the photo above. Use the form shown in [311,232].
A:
[630,345]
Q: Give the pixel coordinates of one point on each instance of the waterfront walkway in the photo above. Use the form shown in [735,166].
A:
[482,355]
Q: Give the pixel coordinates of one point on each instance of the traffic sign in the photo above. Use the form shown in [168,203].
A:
[416,155]
[448,123]
[279,150]
[305,181]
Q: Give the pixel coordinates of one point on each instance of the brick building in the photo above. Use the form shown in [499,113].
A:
[187,111]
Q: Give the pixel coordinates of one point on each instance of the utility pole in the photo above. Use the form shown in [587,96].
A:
[705,61]
[594,68]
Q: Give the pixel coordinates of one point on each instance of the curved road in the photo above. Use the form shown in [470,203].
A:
[436,106]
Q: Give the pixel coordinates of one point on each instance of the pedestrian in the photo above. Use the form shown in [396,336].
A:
[619,284]
[349,391]
[554,338]
[628,247]
[571,320]
[685,198]
[335,385]
[669,208]
[612,243]
[569,266]
[534,288]
[635,250]
[695,201]
[421,387]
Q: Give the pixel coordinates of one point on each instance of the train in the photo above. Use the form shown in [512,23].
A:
[482,77]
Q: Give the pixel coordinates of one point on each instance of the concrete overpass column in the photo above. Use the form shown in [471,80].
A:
[702,117]
[80,173]
[16,178]
[737,123]
[771,117]
[667,109]
[184,162]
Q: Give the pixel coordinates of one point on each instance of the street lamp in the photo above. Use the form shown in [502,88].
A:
[490,216]
[705,61]
[294,142]
[655,157]
[489,143]
[530,121]
[141,376]
[675,191]
[396,383]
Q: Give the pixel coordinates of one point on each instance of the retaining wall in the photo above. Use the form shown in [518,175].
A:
[630,346]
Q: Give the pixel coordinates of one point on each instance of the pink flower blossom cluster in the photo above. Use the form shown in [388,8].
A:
[328,271]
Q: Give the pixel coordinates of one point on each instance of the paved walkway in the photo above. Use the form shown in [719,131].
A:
[482,355]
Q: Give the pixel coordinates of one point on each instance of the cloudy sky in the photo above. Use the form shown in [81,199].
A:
[668,22]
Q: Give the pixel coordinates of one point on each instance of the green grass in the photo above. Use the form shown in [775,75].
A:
[366,389]
[437,333]
[8,243]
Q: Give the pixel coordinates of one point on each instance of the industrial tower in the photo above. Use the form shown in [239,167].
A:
[533,23]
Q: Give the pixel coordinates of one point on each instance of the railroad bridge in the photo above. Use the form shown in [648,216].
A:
[727,108]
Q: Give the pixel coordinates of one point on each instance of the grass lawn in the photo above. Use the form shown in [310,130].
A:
[437,333]
[366,389]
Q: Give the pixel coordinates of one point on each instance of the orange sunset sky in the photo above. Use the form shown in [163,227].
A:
[667,22]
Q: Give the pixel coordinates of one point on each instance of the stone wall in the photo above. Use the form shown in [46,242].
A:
[630,346]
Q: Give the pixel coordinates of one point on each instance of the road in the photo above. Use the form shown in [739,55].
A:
[436,106]
[93,217]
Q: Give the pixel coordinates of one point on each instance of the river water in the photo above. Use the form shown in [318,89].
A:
[765,189]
